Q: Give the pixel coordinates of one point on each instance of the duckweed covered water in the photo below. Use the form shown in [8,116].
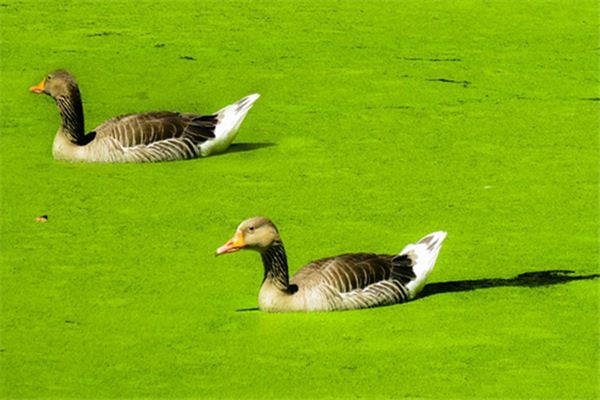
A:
[379,122]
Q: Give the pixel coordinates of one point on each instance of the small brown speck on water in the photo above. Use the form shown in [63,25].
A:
[42,218]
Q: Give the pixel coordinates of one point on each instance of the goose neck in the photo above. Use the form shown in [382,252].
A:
[276,267]
[71,114]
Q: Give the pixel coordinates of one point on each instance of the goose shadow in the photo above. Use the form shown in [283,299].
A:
[247,146]
[526,279]
[247,309]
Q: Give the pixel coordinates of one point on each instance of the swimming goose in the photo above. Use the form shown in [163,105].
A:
[148,137]
[344,282]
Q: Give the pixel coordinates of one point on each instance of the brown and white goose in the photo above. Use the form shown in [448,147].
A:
[344,282]
[148,137]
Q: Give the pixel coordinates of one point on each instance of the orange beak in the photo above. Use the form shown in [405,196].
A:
[39,88]
[235,244]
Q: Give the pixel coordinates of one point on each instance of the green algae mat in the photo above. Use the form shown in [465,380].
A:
[379,122]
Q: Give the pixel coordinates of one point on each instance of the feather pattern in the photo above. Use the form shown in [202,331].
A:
[344,282]
[359,280]
[147,137]
[156,136]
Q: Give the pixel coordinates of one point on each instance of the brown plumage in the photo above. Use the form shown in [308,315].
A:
[147,137]
[347,281]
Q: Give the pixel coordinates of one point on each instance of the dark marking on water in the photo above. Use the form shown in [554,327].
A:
[522,97]
[187,58]
[590,98]
[445,60]
[105,33]
[159,45]
[399,107]
[446,80]
[67,51]
[435,59]
[389,107]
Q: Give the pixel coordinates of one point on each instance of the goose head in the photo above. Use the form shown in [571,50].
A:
[257,233]
[57,84]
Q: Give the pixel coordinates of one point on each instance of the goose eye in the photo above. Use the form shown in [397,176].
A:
[48,77]
[251,229]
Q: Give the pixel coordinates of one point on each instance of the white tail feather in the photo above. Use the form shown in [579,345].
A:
[424,253]
[230,118]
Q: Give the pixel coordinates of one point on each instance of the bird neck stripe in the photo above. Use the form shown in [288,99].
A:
[71,113]
[276,267]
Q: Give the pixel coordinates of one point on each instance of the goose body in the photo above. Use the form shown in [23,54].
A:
[344,282]
[147,137]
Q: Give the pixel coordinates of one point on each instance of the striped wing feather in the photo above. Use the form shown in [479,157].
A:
[149,128]
[362,279]
[348,272]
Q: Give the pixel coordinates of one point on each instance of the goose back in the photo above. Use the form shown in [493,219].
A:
[143,129]
[150,137]
[358,280]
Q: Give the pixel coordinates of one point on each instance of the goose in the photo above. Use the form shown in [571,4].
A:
[147,137]
[344,282]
